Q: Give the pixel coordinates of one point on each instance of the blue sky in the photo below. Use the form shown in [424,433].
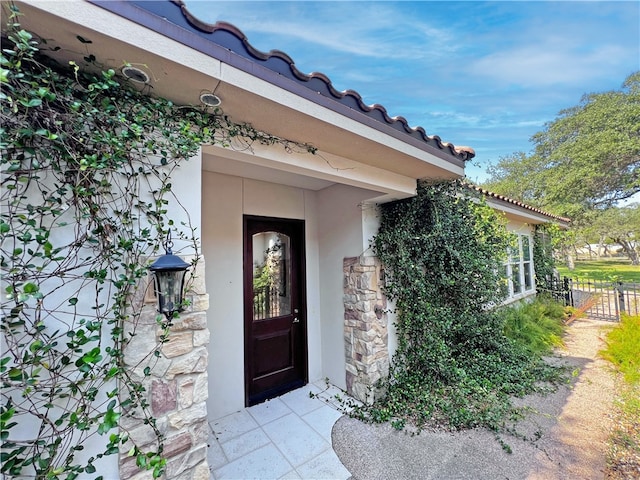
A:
[484,74]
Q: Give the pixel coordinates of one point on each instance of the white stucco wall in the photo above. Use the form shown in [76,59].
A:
[222,247]
[336,225]
[344,226]
[519,227]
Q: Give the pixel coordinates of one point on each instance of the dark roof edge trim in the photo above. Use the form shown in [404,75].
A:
[464,153]
[416,137]
[516,203]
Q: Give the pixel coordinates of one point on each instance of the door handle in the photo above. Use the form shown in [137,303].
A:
[296,320]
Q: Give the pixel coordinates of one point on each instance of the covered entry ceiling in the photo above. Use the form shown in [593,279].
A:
[214,163]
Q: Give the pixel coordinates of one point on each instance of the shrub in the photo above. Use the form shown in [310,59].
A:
[443,254]
[536,326]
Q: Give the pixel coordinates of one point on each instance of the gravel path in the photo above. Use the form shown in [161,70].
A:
[568,431]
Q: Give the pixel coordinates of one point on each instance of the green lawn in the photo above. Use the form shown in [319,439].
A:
[619,269]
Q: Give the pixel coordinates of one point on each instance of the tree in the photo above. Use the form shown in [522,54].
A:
[620,225]
[512,177]
[588,157]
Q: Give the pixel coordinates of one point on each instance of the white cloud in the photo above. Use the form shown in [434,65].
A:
[485,74]
[463,119]
[547,65]
[366,29]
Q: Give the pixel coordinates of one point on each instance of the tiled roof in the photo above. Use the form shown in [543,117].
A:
[517,203]
[231,38]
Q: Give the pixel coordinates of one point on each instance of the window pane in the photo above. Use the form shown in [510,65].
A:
[515,278]
[515,252]
[526,251]
[271,275]
[528,278]
[508,272]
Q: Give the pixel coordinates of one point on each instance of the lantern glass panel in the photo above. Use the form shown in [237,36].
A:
[169,290]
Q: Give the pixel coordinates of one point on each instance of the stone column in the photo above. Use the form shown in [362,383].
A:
[174,377]
[365,327]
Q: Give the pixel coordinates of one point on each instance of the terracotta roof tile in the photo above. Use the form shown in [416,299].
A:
[517,203]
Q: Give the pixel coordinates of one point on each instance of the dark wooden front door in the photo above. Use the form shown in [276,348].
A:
[274,307]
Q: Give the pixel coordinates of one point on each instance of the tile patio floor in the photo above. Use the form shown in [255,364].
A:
[288,437]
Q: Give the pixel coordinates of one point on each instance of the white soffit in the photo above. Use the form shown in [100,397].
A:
[227,166]
[122,30]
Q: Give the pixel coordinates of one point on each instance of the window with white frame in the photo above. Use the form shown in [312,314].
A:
[519,266]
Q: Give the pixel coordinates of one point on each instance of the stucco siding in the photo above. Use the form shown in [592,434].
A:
[341,233]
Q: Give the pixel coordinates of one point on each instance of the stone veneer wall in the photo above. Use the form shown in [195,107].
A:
[365,326]
[176,387]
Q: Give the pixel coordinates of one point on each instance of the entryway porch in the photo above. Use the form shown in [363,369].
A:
[288,437]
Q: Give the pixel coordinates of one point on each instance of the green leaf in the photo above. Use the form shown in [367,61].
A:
[35,346]
[33,102]
[3,363]
[24,35]
[16,374]
[6,415]
[30,288]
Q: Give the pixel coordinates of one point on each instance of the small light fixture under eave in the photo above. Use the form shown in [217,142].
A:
[135,74]
[210,99]
[169,272]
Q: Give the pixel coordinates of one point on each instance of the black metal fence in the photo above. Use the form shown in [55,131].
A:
[604,300]
[266,303]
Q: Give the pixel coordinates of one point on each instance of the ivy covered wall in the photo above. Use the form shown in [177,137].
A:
[443,254]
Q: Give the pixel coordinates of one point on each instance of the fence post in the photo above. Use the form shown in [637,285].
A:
[620,289]
[568,297]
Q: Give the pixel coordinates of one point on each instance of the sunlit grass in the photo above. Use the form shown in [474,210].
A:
[623,350]
[610,269]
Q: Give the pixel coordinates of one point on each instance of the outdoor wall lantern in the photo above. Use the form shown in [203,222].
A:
[169,272]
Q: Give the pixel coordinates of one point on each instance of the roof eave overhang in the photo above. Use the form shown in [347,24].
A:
[125,32]
[523,214]
[135,13]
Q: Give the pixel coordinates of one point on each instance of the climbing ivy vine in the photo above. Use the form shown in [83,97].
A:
[443,253]
[87,162]
[544,242]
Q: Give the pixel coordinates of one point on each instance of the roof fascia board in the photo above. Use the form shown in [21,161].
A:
[504,203]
